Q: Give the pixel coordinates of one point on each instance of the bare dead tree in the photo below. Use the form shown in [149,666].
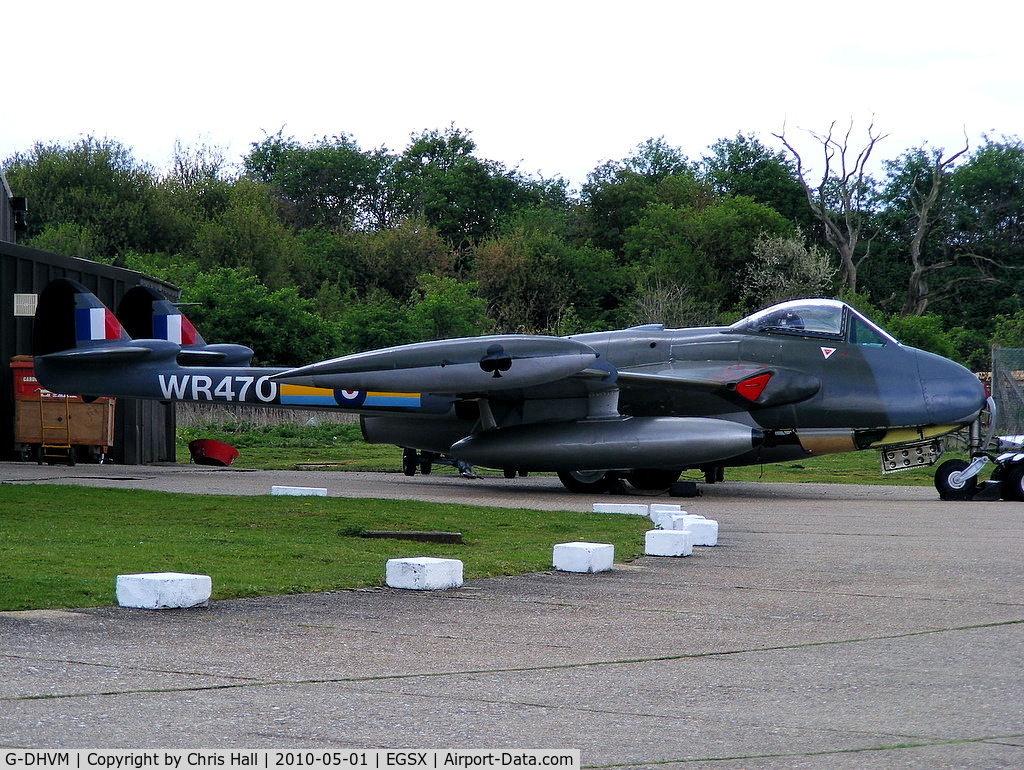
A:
[842,200]
[918,294]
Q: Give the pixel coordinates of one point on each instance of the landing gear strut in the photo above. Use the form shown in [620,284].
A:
[425,461]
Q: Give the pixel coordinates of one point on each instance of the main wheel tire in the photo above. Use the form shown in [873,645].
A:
[588,482]
[652,479]
[409,460]
[1013,483]
[948,487]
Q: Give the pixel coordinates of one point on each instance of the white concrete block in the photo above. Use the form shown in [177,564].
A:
[423,573]
[163,590]
[702,531]
[662,513]
[634,509]
[299,491]
[666,508]
[668,542]
[583,557]
[678,520]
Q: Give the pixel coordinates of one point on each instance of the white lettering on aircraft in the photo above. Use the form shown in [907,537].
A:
[200,387]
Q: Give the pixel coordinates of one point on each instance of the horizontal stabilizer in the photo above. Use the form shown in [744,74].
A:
[135,351]
[216,355]
[468,365]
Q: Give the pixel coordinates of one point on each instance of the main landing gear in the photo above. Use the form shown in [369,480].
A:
[425,461]
[599,482]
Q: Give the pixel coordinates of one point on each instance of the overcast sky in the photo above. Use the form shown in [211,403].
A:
[553,88]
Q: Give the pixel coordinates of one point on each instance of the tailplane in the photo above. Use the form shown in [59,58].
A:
[81,347]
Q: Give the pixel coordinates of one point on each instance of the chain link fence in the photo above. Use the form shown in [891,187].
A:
[1007,389]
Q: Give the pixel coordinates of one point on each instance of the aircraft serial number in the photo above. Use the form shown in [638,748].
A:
[235,387]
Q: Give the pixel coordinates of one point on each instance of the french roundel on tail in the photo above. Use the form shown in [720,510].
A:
[146,314]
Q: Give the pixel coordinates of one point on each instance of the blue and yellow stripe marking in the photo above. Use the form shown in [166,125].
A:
[304,395]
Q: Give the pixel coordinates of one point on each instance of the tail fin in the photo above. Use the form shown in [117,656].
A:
[69,319]
[79,344]
[81,347]
[146,314]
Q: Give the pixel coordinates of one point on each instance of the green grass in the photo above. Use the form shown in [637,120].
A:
[851,468]
[284,447]
[63,547]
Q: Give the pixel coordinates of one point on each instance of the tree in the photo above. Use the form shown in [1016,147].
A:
[982,233]
[914,194]
[391,260]
[247,234]
[842,202]
[705,249]
[233,306]
[96,185]
[376,321]
[1009,330]
[196,190]
[439,179]
[330,182]
[442,308]
[535,281]
[673,303]
[785,267]
[923,331]
[617,193]
[744,166]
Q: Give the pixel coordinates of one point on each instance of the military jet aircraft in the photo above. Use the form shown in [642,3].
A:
[802,378]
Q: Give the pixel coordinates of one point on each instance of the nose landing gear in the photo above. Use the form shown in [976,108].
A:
[958,480]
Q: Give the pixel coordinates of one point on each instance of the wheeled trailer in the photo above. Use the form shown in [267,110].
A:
[56,427]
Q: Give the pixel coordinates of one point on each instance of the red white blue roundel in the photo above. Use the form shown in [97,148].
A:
[350,397]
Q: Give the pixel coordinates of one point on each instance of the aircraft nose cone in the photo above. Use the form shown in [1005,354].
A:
[952,393]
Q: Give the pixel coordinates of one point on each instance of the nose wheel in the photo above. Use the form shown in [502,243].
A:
[953,483]
[958,480]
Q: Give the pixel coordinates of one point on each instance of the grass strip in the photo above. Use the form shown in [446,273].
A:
[63,547]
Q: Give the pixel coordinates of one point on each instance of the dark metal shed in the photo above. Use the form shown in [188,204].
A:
[143,430]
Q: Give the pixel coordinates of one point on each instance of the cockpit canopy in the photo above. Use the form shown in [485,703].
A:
[820,318]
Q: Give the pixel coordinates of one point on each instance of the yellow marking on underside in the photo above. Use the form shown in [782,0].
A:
[910,435]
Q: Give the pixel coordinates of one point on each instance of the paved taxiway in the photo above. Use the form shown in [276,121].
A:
[833,627]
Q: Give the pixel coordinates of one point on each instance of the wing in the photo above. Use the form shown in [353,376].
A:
[472,366]
[513,367]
